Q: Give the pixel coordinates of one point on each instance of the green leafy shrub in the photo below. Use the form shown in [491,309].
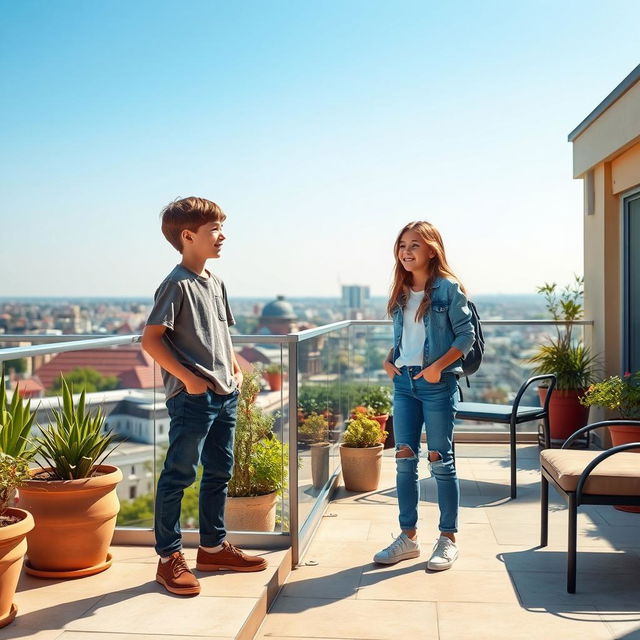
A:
[363,432]
[377,398]
[273,368]
[85,378]
[621,395]
[13,472]
[315,427]
[260,459]
[337,397]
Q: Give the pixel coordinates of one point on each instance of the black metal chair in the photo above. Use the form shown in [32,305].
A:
[588,477]
[511,414]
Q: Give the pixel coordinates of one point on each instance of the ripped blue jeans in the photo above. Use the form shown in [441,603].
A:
[417,403]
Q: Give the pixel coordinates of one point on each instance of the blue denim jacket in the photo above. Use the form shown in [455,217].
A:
[447,323]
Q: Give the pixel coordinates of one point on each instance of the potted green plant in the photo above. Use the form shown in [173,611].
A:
[16,449]
[273,375]
[72,496]
[621,396]
[325,400]
[260,467]
[378,399]
[315,428]
[567,357]
[361,453]
[15,524]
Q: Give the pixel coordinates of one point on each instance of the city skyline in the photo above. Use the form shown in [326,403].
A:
[319,128]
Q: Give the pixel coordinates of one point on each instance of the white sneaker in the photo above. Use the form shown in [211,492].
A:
[444,554]
[402,548]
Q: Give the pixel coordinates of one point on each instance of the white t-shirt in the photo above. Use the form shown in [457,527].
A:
[413,334]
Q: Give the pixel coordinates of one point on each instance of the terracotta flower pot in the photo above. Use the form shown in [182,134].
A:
[361,467]
[253,513]
[382,420]
[75,520]
[274,380]
[566,414]
[13,546]
[625,435]
[320,464]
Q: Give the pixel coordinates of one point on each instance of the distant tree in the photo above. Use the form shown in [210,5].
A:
[88,379]
[374,355]
[19,365]
[139,511]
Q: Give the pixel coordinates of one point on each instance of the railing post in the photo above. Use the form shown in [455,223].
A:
[294,526]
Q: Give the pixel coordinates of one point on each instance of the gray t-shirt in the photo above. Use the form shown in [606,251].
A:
[196,312]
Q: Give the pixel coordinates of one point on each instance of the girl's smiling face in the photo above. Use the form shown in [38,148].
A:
[414,253]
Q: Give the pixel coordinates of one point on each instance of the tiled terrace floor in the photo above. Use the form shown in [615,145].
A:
[125,603]
[502,587]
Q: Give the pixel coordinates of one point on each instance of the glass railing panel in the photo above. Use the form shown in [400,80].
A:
[121,381]
[505,367]
[317,416]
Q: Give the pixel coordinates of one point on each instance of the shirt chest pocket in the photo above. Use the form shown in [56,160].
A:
[440,314]
[220,308]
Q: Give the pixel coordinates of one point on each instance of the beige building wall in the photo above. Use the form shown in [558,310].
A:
[606,154]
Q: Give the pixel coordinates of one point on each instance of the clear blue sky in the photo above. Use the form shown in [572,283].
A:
[321,127]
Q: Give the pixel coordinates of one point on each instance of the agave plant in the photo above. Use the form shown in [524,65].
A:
[16,421]
[73,446]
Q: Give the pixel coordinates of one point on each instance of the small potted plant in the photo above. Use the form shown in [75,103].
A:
[260,465]
[621,396]
[73,495]
[273,375]
[316,429]
[361,453]
[15,524]
[15,451]
[568,358]
[378,399]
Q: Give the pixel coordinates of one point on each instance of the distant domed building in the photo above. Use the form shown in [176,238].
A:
[277,317]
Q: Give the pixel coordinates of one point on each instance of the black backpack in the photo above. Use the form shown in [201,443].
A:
[471,362]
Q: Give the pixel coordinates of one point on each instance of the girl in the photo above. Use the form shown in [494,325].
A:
[432,331]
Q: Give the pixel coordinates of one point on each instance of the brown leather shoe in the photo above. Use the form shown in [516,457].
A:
[229,558]
[176,577]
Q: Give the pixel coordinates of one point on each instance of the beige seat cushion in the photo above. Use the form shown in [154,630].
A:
[618,475]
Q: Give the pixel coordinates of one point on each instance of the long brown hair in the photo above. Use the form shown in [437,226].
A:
[438,267]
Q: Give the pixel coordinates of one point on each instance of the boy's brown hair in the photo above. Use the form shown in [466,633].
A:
[188,213]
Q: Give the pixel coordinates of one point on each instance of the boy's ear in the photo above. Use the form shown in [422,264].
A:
[185,236]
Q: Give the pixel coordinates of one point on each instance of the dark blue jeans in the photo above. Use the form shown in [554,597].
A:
[418,404]
[202,428]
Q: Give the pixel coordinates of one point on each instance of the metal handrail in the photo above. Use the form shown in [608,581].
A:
[59,344]
[60,347]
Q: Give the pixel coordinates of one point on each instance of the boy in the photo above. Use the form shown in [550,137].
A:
[187,334]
